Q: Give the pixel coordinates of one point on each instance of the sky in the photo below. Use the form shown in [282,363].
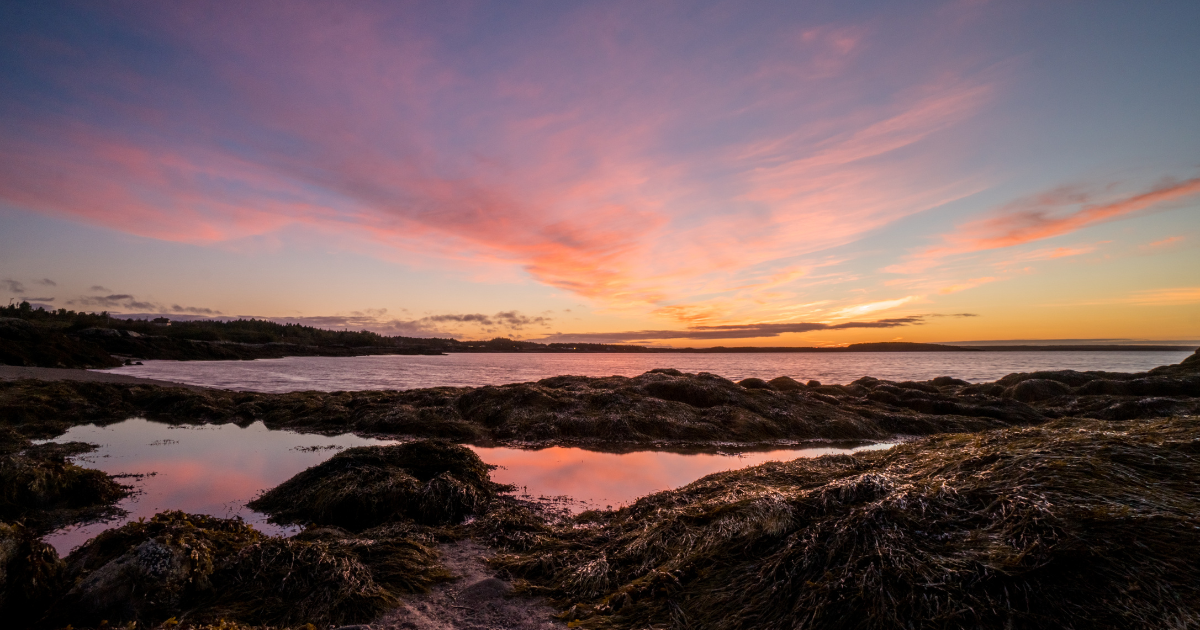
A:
[661,173]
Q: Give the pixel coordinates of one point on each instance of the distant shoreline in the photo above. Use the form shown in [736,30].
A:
[915,347]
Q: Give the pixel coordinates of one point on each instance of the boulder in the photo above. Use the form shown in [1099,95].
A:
[785,384]
[429,482]
[1036,390]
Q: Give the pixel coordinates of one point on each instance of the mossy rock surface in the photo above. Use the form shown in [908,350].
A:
[206,569]
[1074,524]
[149,570]
[31,575]
[42,489]
[429,482]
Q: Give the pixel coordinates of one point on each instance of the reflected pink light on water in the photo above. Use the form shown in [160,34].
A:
[217,469]
[599,480]
[214,469]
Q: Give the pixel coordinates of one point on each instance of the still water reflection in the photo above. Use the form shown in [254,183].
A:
[217,469]
[472,370]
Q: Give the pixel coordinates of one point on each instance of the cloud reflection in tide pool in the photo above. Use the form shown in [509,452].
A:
[204,469]
[217,469]
[601,480]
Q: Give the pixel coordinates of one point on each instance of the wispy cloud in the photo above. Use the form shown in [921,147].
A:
[967,284]
[1166,297]
[13,286]
[1166,243]
[872,307]
[726,331]
[1050,253]
[1054,213]
[571,157]
[125,302]
[512,320]
[46,282]
[460,325]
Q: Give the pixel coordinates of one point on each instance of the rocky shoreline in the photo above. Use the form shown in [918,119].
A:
[1065,499]
[661,408]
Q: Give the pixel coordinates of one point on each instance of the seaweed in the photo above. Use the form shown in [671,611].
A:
[31,574]
[41,489]
[1074,524]
[322,580]
[149,570]
[202,570]
[430,482]
[663,406]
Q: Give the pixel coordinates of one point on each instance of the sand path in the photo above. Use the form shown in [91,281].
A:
[477,601]
[18,372]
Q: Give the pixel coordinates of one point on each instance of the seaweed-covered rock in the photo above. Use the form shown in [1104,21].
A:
[208,569]
[703,391]
[430,482]
[785,384]
[39,487]
[658,407]
[1072,524]
[326,580]
[150,570]
[1036,390]
[31,575]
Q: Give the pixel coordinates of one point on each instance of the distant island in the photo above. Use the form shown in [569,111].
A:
[37,337]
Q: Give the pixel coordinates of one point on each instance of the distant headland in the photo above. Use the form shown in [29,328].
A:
[37,337]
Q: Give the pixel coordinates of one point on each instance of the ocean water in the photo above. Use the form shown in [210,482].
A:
[217,469]
[471,370]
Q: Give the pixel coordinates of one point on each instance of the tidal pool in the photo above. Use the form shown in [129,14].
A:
[217,469]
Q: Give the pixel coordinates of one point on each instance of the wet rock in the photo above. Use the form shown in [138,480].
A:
[428,482]
[659,407]
[1144,408]
[754,383]
[703,391]
[856,541]
[208,569]
[785,384]
[31,575]
[1037,390]
[484,590]
[290,582]
[39,487]
[149,570]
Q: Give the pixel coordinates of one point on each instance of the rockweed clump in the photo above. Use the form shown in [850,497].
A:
[1072,524]
[430,482]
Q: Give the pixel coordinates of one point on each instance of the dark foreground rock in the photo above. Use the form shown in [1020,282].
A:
[202,569]
[42,490]
[660,407]
[428,482]
[31,575]
[1073,524]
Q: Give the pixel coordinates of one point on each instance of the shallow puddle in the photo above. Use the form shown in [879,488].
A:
[588,480]
[217,469]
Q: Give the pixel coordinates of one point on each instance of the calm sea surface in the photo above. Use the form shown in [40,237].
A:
[470,370]
[217,469]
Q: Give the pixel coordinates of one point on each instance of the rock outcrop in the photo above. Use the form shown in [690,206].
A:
[659,407]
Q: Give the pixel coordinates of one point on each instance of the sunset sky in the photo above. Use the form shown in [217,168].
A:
[672,173]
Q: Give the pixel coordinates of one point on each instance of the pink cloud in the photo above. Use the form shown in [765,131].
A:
[1166,297]
[1055,213]
[967,284]
[1165,243]
[595,169]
